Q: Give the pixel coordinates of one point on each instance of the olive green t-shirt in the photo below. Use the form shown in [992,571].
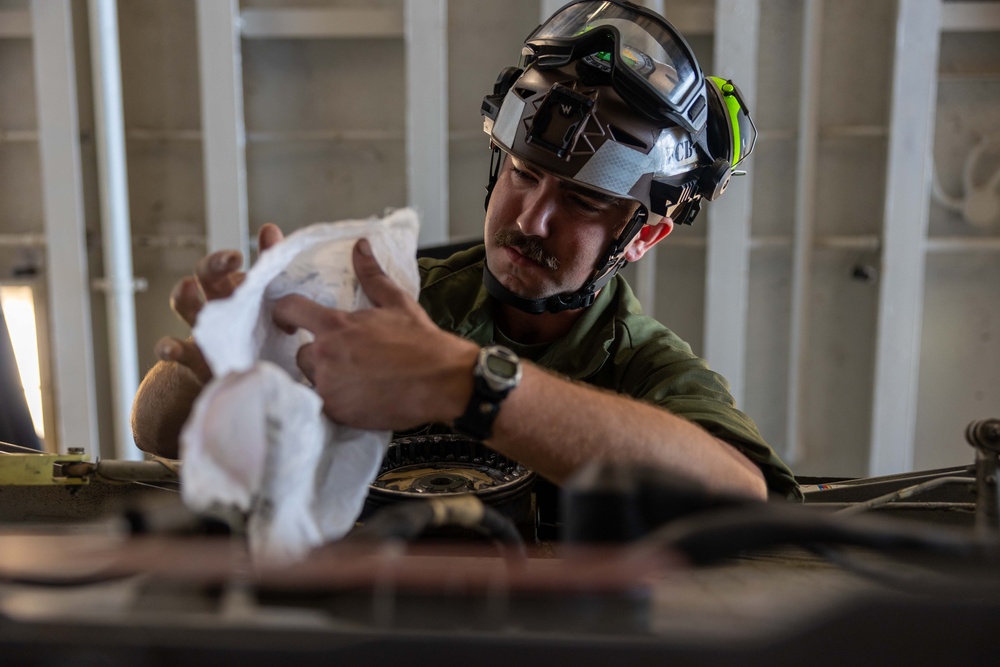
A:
[612,346]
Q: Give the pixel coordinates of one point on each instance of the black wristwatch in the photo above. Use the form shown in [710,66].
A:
[496,373]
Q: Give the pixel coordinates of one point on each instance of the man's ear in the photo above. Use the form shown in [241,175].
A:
[647,237]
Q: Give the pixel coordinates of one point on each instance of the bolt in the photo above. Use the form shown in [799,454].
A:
[864,272]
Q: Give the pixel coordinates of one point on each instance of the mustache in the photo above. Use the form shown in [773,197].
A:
[528,246]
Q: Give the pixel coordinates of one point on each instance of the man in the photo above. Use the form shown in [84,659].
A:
[609,136]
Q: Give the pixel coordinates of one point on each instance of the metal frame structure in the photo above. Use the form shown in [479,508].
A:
[903,242]
[116,229]
[805,213]
[727,274]
[223,133]
[427,116]
[65,230]
[907,209]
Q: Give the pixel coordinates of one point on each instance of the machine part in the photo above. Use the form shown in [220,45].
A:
[984,436]
[20,466]
[615,502]
[126,472]
[904,493]
[409,520]
[709,537]
[417,466]
[39,469]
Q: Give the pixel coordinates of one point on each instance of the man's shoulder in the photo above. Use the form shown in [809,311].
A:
[434,270]
[636,328]
[451,289]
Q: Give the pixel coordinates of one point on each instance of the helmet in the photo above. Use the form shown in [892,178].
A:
[610,96]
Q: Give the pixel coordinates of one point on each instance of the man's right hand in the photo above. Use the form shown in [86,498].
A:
[216,277]
[168,392]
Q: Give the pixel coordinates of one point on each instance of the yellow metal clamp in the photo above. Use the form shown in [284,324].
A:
[42,469]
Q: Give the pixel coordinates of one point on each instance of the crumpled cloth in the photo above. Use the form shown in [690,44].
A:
[257,440]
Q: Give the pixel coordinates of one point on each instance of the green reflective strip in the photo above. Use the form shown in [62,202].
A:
[733,105]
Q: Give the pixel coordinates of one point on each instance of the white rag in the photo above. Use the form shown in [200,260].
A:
[257,439]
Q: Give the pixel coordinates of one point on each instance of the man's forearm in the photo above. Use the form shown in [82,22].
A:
[161,406]
[555,426]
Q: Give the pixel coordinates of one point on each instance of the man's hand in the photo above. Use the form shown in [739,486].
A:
[216,277]
[387,367]
[167,393]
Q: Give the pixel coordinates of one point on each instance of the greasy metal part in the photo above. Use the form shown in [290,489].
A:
[156,470]
[902,494]
[920,506]
[41,469]
[74,469]
[984,435]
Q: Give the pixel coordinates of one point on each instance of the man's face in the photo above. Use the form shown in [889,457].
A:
[544,235]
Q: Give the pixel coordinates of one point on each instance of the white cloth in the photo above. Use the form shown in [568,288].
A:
[256,439]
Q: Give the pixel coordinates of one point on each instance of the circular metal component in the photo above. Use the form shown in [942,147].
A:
[435,478]
[421,466]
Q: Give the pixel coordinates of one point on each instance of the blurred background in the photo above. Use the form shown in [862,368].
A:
[848,286]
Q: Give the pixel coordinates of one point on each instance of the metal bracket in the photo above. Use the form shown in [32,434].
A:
[40,469]
[984,436]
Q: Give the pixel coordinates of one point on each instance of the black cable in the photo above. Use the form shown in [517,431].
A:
[916,576]
[712,536]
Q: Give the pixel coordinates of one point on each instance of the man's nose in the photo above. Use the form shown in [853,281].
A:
[539,209]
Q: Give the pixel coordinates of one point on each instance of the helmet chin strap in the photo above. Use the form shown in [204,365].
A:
[613,261]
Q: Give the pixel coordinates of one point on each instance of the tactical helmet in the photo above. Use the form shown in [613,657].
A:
[610,96]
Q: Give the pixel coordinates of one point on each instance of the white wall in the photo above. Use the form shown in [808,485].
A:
[300,93]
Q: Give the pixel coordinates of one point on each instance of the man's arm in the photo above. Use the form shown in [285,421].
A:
[555,426]
[391,367]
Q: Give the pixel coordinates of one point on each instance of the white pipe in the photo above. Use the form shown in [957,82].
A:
[805,210]
[115,225]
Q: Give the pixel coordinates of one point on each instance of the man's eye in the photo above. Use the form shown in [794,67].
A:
[586,205]
[522,174]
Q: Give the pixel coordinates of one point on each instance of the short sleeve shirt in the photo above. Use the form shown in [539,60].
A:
[612,346]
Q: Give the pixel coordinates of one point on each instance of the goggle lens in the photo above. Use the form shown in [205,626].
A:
[650,49]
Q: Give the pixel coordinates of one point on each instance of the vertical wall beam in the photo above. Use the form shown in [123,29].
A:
[645,271]
[223,131]
[116,233]
[727,279]
[805,212]
[65,228]
[427,116]
[907,209]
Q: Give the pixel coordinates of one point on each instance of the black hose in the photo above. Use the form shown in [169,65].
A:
[711,536]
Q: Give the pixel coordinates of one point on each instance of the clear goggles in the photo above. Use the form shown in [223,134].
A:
[651,65]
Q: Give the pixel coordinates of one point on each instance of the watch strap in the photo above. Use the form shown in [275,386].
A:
[484,405]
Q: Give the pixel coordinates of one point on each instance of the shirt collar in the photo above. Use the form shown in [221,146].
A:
[577,355]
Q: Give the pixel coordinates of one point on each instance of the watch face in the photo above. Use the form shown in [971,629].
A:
[500,368]
[505,368]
